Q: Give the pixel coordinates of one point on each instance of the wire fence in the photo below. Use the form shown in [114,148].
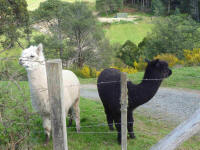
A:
[8,89]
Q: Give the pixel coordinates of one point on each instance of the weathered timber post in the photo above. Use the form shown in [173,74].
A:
[123,111]
[55,90]
[180,134]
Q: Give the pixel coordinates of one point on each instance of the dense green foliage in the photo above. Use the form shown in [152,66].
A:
[14,15]
[158,7]
[172,35]
[168,7]
[76,35]
[109,6]
[128,53]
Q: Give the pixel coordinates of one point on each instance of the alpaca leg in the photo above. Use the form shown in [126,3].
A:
[47,128]
[76,115]
[130,125]
[70,114]
[118,126]
[109,119]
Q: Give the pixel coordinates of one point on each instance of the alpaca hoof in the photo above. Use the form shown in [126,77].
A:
[132,136]
[46,140]
[111,128]
[69,123]
[119,142]
[78,130]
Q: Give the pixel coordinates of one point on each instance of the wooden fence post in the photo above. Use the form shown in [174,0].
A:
[55,90]
[180,134]
[123,111]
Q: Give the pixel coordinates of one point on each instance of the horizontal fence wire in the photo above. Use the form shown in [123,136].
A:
[100,110]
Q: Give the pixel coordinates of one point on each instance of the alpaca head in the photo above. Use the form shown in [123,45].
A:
[32,57]
[157,69]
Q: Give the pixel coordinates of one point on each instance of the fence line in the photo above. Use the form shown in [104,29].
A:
[97,125]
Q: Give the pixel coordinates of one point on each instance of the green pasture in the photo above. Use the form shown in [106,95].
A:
[184,77]
[148,130]
[34,4]
[134,31]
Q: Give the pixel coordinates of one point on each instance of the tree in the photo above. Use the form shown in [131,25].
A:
[195,9]
[13,16]
[75,34]
[50,13]
[83,31]
[109,6]
[129,53]
[158,7]
[172,35]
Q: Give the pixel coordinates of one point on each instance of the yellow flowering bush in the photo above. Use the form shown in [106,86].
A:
[127,69]
[140,65]
[192,57]
[85,71]
[170,58]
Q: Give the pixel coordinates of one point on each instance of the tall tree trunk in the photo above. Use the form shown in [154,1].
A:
[195,9]
[169,6]
[60,38]
[80,59]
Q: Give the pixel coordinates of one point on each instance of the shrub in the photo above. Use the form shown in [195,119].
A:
[128,53]
[86,72]
[192,57]
[140,65]
[169,58]
[18,122]
[172,35]
[127,69]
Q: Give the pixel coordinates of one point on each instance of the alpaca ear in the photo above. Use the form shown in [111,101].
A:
[146,60]
[39,49]
[157,64]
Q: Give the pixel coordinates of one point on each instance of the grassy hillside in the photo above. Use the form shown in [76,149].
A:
[135,32]
[34,4]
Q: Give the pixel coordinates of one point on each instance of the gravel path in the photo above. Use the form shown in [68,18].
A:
[174,105]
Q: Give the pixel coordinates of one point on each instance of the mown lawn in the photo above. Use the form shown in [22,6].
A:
[135,32]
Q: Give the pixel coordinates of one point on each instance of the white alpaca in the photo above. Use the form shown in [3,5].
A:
[33,60]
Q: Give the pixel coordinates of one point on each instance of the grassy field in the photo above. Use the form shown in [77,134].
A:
[184,77]
[135,32]
[148,131]
[34,4]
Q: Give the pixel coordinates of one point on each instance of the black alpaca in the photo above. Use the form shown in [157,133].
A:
[137,94]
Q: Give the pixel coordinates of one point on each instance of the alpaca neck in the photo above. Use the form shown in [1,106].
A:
[37,78]
[143,92]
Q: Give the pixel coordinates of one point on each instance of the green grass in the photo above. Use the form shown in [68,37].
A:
[34,4]
[148,131]
[184,77]
[120,33]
